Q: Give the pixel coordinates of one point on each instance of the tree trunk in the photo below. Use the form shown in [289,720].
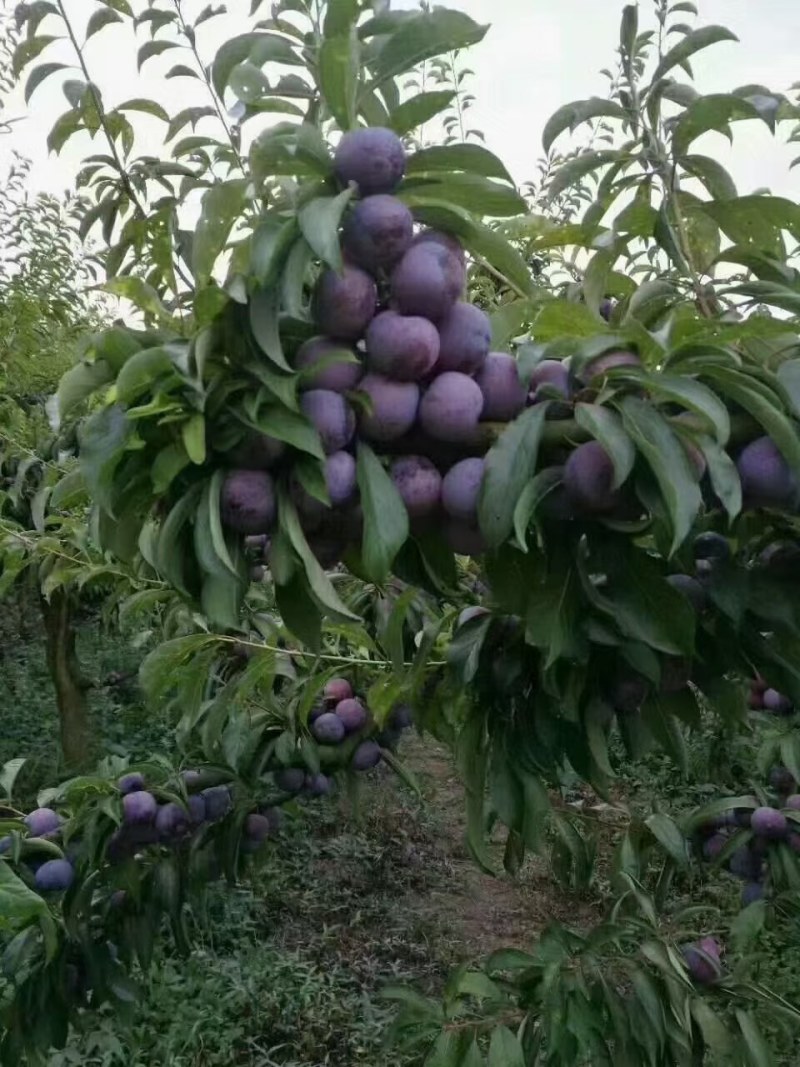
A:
[69,683]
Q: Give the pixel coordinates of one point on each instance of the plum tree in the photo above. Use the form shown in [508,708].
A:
[328,364]
[589,478]
[378,233]
[54,876]
[767,479]
[331,416]
[247,501]
[419,484]
[451,407]
[465,336]
[460,490]
[373,158]
[503,392]
[393,404]
[139,807]
[344,303]
[404,347]
[427,281]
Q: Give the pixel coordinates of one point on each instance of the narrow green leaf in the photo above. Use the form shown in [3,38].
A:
[38,75]
[319,222]
[570,116]
[510,464]
[667,833]
[693,42]
[424,36]
[101,18]
[723,474]
[385,515]
[606,427]
[319,583]
[472,158]
[418,110]
[222,204]
[757,1049]
[339,68]
[263,311]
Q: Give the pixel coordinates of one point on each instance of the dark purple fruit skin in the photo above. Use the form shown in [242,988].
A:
[366,756]
[258,452]
[767,480]
[337,689]
[130,783]
[589,478]
[332,416]
[401,717]
[606,309]
[744,864]
[404,347]
[257,828]
[774,701]
[781,559]
[54,876]
[503,392]
[451,407]
[344,304]
[340,477]
[752,892]
[702,960]
[629,693]
[446,240]
[318,785]
[42,822]
[769,823]
[710,546]
[196,806]
[782,780]
[373,158]
[191,778]
[378,232]
[461,487]
[554,373]
[793,841]
[465,336]
[792,802]
[464,539]
[218,801]
[394,407]
[597,368]
[328,729]
[172,821]
[713,846]
[247,502]
[419,484]
[290,779]
[352,714]
[139,808]
[427,281]
[691,589]
[338,375]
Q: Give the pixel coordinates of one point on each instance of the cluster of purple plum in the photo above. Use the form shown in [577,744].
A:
[342,725]
[767,828]
[401,361]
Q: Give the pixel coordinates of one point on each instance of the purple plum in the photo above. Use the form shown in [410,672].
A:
[404,347]
[503,392]
[328,364]
[419,484]
[345,303]
[401,717]
[711,545]
[782,780]
[352,714]
[461,487]
[374,158]
[130,783]
[551,373]
[792,802]
[703,960]
[318,785]
[427,281]
[196,806]
[446,240]
[138,808]
[769,823]
[377,233]
[713,846]
[589,478]
[328,729]
[54,876]
[191,778]
[394,407]
[332,416]
[776,702]
[290,779]
[42,822]
[767,479]
[451,407]
[257,828]
[752,892]
[337,689]
[629,693]
[218,801]
[366,756]
[465,335]
[247,501]
[172,821]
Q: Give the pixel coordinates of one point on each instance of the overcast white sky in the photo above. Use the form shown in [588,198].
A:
[538,55]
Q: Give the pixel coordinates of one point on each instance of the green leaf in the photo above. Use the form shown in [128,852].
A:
[471,191]
[644,605]
[385,515]
[8,775]
[18,904]
[298,610]
[693,42]
[263,312]
[605,426]
[152,48]
[64,127]
[340,16]
[221,600]
[713,176]
[139,293]
[147,107]
[291,427]
[655,439]
[471,158]
[667,833]
[338,71]
[571,172]
[552,620]
[695,397]
[709,112]
[418,110]
[193,433]
[481,240]
[716,1033]
[29,49]
[319,222]
[101,18]
[758,1051]
[142,373]
[422,37]
[258,48]
[40,74]
[447,1050]
[510,464]
[756,222]
[723,474]
[222,204]
[570,116]
[319,583]
[79,382]
[102,438]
